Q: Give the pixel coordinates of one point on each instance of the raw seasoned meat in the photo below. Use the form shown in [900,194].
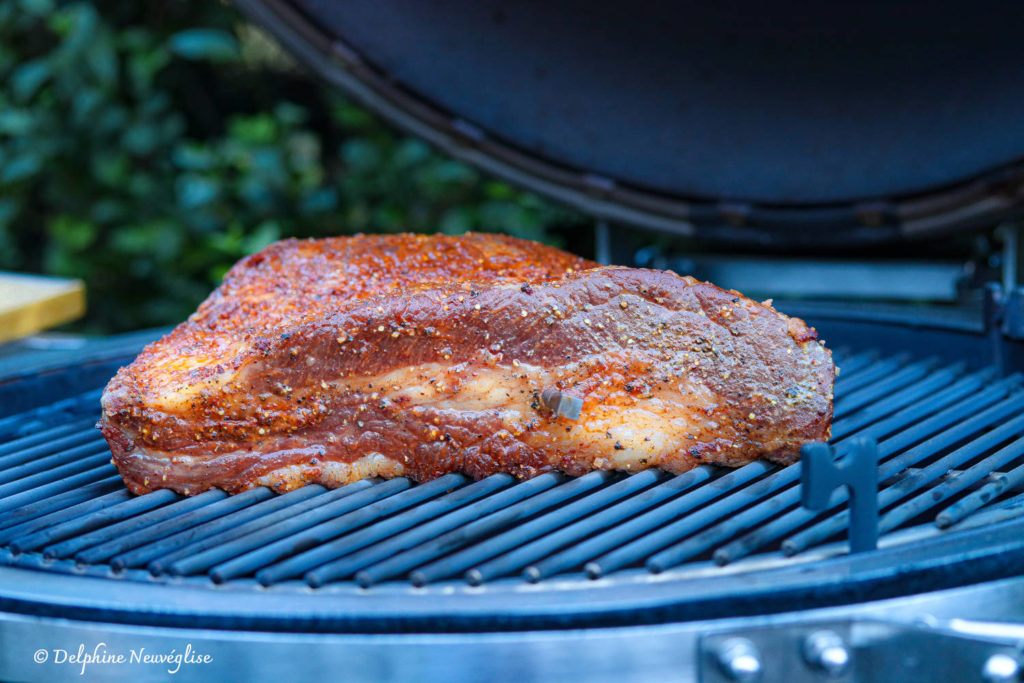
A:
[327,361]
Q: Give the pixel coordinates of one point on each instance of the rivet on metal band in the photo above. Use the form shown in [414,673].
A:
[739,659]
[1001,668]
[824,650]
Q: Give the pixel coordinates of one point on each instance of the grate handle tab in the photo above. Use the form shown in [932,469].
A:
[821,474]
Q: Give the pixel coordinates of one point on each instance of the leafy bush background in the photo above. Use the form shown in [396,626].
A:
[145,147]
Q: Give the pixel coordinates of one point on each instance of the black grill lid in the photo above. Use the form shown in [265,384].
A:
[773,122]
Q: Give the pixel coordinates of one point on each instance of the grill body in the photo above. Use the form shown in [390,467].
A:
[603,577]
[671,651]
[386,578]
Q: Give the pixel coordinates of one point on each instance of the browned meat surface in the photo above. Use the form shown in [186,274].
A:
[333,360]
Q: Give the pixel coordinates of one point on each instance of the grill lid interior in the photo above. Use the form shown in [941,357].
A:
[736,121]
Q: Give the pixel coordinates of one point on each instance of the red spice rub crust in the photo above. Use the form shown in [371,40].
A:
[332,360]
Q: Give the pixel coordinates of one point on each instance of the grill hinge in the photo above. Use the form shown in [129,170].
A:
[869,650]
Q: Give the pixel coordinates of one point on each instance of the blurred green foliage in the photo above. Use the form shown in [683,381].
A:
[145,147]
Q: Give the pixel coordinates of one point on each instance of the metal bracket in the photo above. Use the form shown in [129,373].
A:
[869,650]
[1004,303]
[821,474]
[1011,257]
[993,315]
[1012,304]
[603,242]
[1003,312]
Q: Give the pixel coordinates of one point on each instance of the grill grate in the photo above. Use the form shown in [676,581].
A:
[950,443]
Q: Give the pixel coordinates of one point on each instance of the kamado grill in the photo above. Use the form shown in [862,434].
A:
[779,126]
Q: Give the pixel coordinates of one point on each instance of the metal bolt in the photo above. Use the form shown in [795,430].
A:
[1001,668]
[739,659]
[825,650]
[562,403]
